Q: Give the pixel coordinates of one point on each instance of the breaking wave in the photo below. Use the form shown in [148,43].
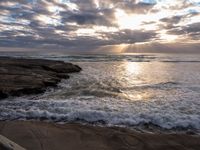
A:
[105,111]
[111,91]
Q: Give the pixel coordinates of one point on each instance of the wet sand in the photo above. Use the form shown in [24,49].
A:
[51,136]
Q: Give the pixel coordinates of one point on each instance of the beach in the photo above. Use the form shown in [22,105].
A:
[33,135]
[99,75]
[114,102]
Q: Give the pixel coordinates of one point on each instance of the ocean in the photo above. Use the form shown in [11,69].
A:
[153,92]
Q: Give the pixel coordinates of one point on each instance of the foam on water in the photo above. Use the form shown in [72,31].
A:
[131,94]
[167,114]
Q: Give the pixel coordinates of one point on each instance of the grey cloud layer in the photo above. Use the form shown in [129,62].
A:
[53,23]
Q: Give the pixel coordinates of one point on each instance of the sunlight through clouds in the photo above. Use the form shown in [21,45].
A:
[108,23]
[49,20]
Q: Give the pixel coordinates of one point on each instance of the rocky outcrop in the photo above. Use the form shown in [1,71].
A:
[50,136]
[31,76]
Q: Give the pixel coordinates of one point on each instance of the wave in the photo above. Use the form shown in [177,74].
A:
[111,57]
[160,85]
[180,61]
[102,95]
[105,111]
[91,58]
[105,58]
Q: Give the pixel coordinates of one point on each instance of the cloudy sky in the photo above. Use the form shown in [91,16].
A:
[100,25]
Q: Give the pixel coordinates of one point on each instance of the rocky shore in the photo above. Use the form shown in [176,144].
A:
[31,76]
[50,136]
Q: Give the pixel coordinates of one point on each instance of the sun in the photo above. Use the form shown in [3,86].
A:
[134,21]
[126,21]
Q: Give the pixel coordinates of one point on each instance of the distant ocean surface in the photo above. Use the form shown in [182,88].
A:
[140,91]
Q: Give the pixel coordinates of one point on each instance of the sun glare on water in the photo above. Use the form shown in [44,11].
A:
[133,68]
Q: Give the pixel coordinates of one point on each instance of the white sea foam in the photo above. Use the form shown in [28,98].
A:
[166,95]
[168,114]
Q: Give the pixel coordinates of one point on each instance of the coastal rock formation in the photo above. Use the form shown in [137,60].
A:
[51,136]
[31,76]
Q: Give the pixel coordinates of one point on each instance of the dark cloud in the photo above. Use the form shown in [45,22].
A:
[55,23]
[130,36]
[96,18]
[191,30]
[172,20]
[132,7]
[165,48]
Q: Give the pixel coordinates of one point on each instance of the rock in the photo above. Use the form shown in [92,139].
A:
[31,76]
[7,144]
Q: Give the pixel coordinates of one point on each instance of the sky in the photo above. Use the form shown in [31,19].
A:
[121,26]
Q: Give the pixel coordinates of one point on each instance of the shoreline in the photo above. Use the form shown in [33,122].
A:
[51,136]
[31,76]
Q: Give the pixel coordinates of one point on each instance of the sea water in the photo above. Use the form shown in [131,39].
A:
[131,90]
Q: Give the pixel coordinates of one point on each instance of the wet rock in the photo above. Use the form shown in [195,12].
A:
[31,76]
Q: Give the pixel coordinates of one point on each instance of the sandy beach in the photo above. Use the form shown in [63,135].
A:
[51,136]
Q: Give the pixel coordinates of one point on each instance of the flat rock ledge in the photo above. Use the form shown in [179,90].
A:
[31,76]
